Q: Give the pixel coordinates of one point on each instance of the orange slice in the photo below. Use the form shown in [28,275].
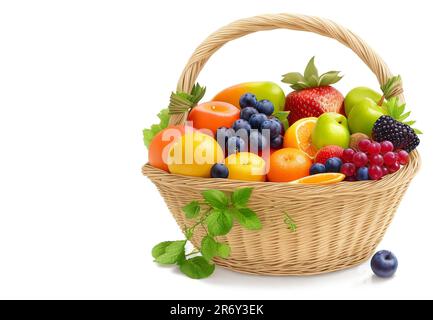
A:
[322,179]
[299,136]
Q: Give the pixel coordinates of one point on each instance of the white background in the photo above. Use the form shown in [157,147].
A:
[78,82]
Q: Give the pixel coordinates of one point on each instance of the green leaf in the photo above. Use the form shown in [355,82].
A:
[169,252]
[147,137]
[417,131]
[290,223]
[283,117]
[311,71]
[197,268]
[241,196]
[219,222]
[209,247]
[293,78]
[300,86]
[410,123]
[223,250]
[405,116]
[191,210]
[150,133]
[329,78]
[247,218]
[216,199]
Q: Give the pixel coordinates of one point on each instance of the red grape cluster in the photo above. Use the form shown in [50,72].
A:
[373,161]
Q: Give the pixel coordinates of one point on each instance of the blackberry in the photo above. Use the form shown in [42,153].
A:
[400,134]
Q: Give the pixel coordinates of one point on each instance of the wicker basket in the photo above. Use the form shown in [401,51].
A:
[339,226]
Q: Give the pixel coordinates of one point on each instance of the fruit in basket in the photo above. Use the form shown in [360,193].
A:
[194,154]
[403,157]
[256,120]
[386,146]
[399,134]
[331,129]
[375,172]
[333,165]
[365,112]
[277,142]
[261,90]
[247,112]
[355,139]
[212,115]
[248,100]
[348,169]
[241,124]
[358,94]
[347,155]
[328,152]
[362,174]
[321,179]
[160,145]
[257,142]
[317,168]
[235,144]
[384,264]
[219,170]
[360,159]
[246,166]
[299,136]
[273,127]
[363,116]
[265,106]
[288,164]
[313,93]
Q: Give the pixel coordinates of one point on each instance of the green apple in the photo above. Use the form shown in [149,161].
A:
[356,95]
[363,116]
[331,129]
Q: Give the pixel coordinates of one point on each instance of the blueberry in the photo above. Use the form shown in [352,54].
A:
[219,170]
[279,123]
[334,165]
[384,264]
[241,124]
[362,174]
[256,120]
[317,168]
[266,107]
[223,134]
[235,144]
[273,127]
[247,112]
[277,142]
[248,100]
[257,141]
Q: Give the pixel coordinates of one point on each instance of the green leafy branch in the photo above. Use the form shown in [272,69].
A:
[216,215]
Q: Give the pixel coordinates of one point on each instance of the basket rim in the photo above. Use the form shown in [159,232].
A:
[405,174]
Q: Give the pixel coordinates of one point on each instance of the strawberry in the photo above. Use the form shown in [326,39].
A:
[313,94]
[328,152]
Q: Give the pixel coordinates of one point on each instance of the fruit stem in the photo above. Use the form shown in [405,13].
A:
[381,101]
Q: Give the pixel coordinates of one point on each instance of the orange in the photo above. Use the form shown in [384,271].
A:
[160,144]
[299,136]
[288,164]
[246,166]
[322,178]
[194,154]
[213,115]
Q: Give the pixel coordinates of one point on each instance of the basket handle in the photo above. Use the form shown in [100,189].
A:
[246,26]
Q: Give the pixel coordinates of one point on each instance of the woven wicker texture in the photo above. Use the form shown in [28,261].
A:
[339,225]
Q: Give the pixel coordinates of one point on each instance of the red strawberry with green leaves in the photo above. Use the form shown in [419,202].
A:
[313,93]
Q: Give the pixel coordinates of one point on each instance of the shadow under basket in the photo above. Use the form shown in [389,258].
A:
[338,226]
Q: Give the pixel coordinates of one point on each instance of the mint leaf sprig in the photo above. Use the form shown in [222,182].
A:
[216,216]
